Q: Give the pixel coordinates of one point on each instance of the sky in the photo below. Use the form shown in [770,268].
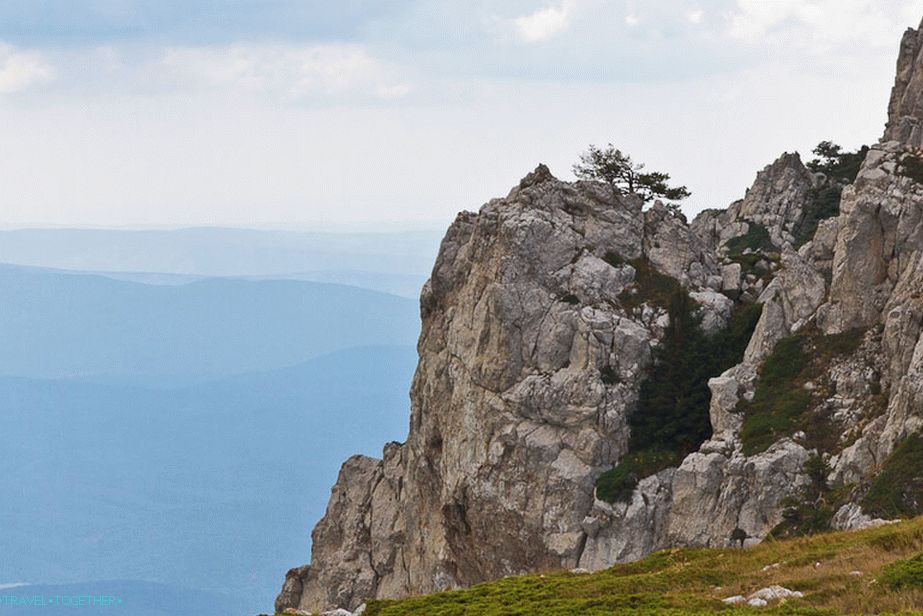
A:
[400,113]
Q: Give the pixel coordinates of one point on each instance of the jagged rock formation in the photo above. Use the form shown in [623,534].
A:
[537,334]
[905,109]
[777,201]
[528,368]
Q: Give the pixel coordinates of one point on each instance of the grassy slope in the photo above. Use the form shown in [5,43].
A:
[693,581]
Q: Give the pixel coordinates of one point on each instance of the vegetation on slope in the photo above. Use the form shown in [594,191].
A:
[623,175]
[904,573]
[897,490]
[824,202]
[789,385]
[871,571]
[841,168]
[912,167]
[649,287]
[813,509]
[672,418]
[755,239]
[836,164]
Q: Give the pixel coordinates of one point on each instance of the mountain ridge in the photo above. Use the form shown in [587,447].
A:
[542,318]
[61,325]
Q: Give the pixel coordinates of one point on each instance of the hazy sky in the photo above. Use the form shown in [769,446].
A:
[291,112]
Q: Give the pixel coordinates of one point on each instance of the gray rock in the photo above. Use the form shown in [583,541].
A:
[851,517]
[724,397]
[778,198]
[904,117]
[730,277]
[530,364]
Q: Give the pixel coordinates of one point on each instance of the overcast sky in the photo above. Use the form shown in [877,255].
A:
[403,112]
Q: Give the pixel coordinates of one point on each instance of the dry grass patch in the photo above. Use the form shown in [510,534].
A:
[694,581]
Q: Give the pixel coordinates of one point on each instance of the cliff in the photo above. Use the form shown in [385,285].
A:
[542,319]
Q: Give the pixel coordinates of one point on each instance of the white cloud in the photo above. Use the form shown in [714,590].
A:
[291,73]
[695,16]
[543,24]
[819,26]
[632,20]
[21,69]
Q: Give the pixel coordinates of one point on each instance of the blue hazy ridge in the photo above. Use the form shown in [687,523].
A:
[185,435]
[63,325]
[213,486]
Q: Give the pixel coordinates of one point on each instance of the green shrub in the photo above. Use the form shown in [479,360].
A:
[835,163]
[778,400]
[802,518]
[812,510]
[617,484]
[570,298]
[609,375]
[897,490]
[823,203]
[912,167]
[614,259]
[904,573]
[748,262]
[756,239]
[650,287]
[672,417]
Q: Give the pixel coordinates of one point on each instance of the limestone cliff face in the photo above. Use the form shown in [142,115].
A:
[534,344]
[528,368]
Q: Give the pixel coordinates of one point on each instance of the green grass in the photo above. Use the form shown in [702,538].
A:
[686,582]
[904,573]
[781,404]
[897,490]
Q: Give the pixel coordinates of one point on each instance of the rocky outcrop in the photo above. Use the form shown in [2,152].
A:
[905,108]
[536,335]
[778,198]
[528,368]
[777,202]
[530,363]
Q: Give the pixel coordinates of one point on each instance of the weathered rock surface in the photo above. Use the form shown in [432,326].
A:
[531,361]
[851,517]
[778,198]
[905,109]
[777,201]
[512,418]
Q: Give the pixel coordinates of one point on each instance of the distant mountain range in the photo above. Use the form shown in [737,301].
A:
[55,325]
[204,486]
[397,262]
[178,428]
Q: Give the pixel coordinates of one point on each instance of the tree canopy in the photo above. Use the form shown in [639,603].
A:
[836,163]
[612,166]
